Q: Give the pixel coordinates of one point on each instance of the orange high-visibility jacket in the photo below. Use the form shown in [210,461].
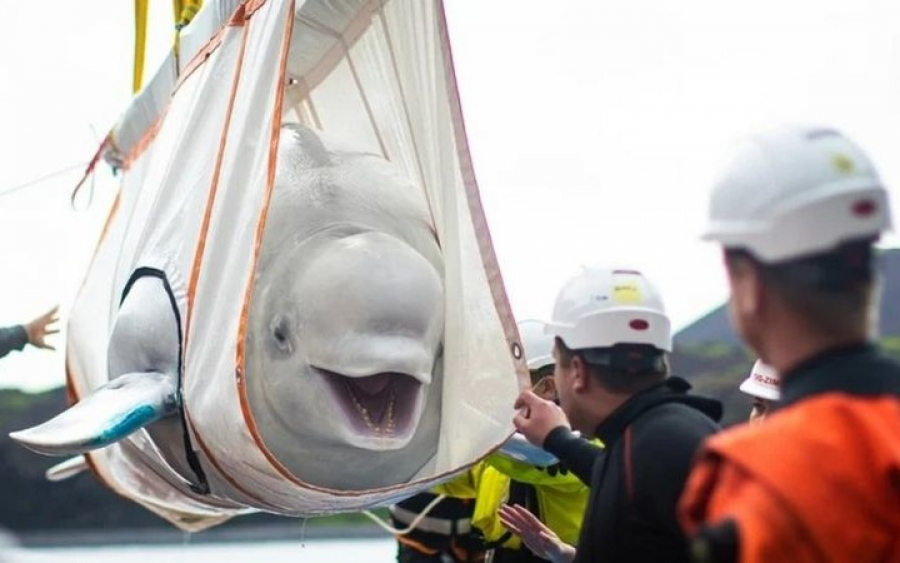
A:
[817,481]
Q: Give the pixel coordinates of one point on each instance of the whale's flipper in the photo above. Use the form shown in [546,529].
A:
[69,468]
[112,412]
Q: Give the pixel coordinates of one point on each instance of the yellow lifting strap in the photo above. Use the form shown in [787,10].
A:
[140,43]
[183,11]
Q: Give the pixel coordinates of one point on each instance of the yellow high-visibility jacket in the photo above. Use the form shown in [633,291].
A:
[561,497]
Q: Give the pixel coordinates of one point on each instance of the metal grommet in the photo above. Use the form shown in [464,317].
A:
[516,350]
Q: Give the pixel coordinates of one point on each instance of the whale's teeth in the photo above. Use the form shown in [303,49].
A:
[389,426]
[390,415]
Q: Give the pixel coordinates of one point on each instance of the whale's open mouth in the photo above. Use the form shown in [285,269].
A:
[383,405]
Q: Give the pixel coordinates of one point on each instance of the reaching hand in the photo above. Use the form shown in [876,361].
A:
[41,327]
[536,536]
[538,417]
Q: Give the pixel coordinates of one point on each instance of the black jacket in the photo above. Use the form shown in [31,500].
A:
[637,480]
[12,338]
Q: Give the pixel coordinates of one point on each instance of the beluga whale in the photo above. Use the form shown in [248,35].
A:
[344,342]
[294,305]
[348,319]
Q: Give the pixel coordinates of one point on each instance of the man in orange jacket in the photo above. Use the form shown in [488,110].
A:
[797,212]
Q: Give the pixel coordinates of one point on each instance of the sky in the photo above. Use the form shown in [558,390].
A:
[596,128]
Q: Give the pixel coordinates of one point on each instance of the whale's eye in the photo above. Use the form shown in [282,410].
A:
[281,333]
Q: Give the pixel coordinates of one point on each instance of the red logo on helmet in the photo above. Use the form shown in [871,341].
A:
[765,379]
[639,324]
[864,208]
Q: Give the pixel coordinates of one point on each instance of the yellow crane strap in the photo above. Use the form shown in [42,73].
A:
[140,43]
[185,12]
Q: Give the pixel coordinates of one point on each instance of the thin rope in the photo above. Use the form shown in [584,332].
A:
[412,526]
[50,176]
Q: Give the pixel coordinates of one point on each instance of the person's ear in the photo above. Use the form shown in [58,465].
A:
[580,375]
[748,292]
[546,388]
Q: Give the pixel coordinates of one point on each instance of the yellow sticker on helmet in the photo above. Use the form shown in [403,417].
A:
[627,293]
[843,163]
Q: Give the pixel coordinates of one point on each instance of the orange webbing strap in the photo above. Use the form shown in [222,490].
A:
[418,546]
[90,168]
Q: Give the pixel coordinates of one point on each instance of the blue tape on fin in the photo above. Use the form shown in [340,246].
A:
[520,449]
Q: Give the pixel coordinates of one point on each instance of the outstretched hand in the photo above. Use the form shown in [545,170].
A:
[41,327]
[537,417]
[536,536]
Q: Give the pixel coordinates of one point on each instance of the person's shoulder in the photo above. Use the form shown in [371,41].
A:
[789,425]
[677,418]
[841,422]
[866,374]
[852,436]
[890,362]
[883,367]
[672,429]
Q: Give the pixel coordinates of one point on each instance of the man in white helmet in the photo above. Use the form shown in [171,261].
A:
[612,339]
[797,213]
[763,386]
[526,477]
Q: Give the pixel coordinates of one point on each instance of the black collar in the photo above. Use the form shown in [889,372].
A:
[859,369]
[615,424]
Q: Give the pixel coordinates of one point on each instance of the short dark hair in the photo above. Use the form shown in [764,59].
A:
[650,365]
[832,291]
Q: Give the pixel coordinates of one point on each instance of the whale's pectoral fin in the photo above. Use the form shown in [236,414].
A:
[112,412]
[69,468]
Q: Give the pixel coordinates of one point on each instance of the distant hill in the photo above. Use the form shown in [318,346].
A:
[711,356]
[715,326]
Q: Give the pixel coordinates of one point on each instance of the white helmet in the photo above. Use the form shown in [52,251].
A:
[794,192]
[599,308]
[537,344]
[763,382]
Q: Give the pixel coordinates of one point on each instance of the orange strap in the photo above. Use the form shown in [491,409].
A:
[420,547]
[90,168]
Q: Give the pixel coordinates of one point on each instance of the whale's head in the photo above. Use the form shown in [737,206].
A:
[346,322]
